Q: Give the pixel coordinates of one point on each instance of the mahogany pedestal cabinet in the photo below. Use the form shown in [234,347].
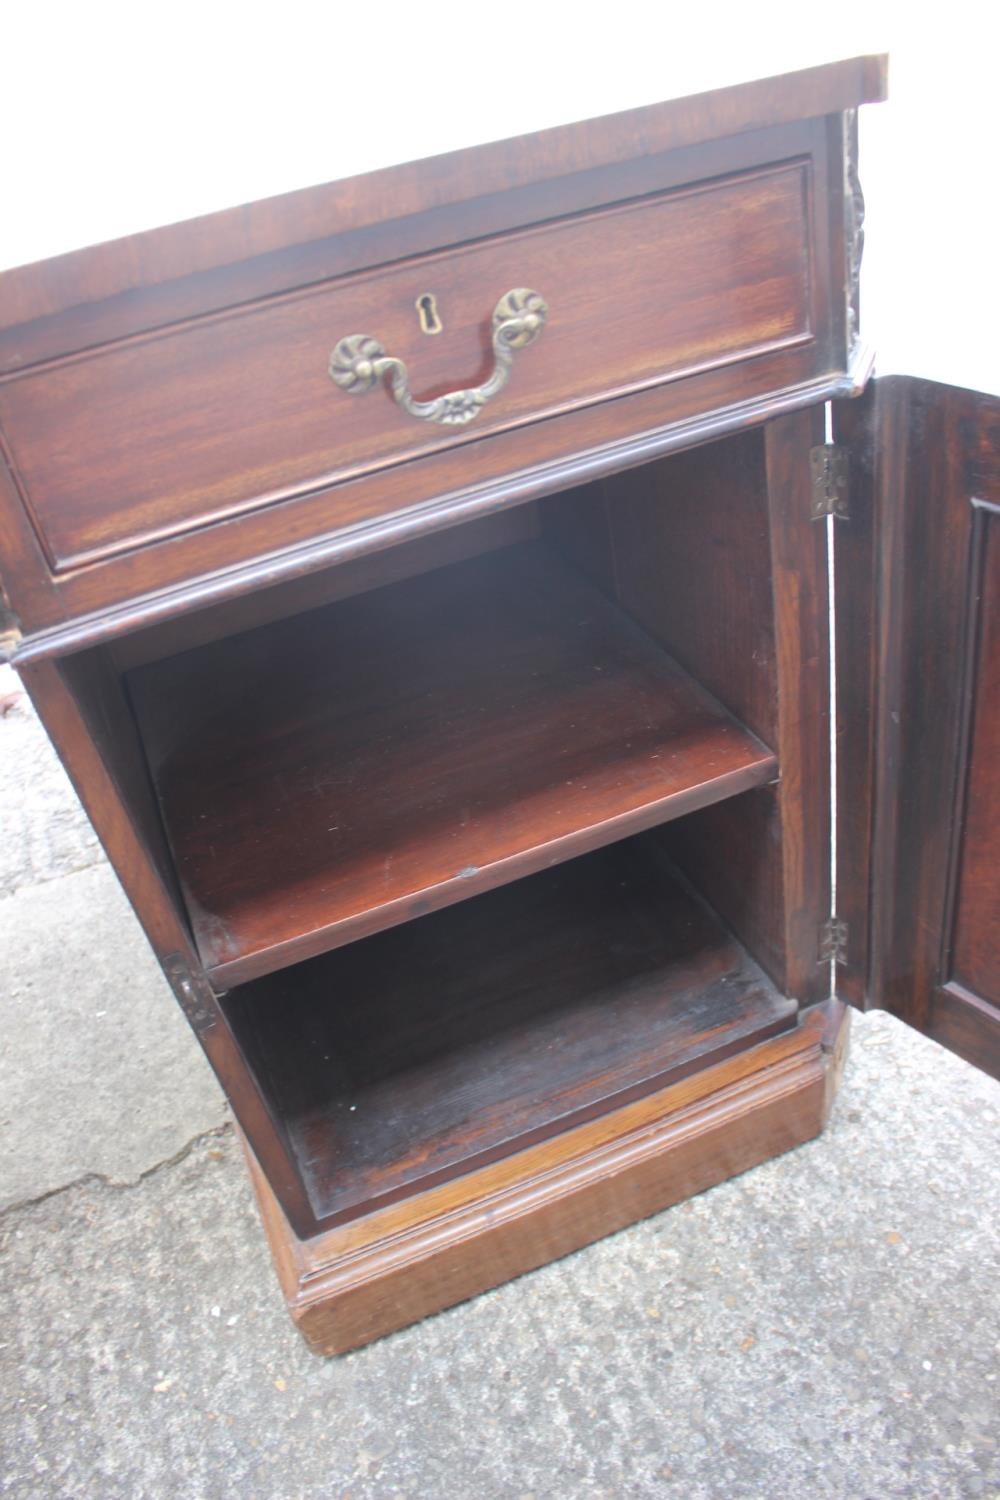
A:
[424,581]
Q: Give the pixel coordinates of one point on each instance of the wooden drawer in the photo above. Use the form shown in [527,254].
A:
[158,435]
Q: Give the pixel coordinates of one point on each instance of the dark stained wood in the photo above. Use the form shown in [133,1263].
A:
[732,853]
[857,428]
[28,594]
[801,623]
[95,753]
[159,305]
[349,1285]
[333,774]
[148,439]
[684,546]
[96,689]
[502,824]
[577,523]
[691,549]
[303,528]
[975,958]
[255,236]
[763,861]
[83,715]
[413,1057]
[313,590]
[935,831]
[395,505]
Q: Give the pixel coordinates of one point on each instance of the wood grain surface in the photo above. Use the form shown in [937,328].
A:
[170,436]
[926,693]
[151,438]
[264,248]
[351,768]
[357,1282]
[409,1058]
[976,945]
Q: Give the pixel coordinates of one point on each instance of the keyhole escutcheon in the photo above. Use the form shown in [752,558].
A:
[427,313]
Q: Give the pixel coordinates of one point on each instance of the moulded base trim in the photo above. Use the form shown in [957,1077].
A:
[348,1286]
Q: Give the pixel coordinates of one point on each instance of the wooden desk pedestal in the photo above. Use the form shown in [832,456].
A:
[424,581]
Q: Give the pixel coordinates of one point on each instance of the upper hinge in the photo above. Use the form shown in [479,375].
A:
[195,995]
[833,941]
[828,466]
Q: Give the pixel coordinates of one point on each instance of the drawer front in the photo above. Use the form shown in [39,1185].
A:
[165,433]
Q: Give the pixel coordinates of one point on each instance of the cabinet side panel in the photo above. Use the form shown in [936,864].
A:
[731,853]
[84,715]
[97,691]
[690,551]
[689,547]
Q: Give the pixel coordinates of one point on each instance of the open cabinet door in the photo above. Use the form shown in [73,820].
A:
[918,711]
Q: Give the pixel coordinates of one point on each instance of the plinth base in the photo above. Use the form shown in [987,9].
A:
[355,1283]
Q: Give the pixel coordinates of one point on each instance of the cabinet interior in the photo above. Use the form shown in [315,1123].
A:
[481,834]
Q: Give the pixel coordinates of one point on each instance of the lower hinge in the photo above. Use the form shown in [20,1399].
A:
[10,633]
[828,467]
[833,942]
[195,995]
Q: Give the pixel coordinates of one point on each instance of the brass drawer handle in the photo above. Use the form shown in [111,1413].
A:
[359,362]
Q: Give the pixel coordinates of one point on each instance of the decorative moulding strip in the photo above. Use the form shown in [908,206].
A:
[443,511]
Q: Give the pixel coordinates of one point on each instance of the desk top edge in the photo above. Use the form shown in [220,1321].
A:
[44,289]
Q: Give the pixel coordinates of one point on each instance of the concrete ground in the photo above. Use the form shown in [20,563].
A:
[823,1326]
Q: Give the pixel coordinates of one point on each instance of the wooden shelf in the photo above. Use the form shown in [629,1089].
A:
[336,773]
[411,1057]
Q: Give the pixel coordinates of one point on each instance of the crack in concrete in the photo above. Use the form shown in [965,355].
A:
[35,881]
[104,1181]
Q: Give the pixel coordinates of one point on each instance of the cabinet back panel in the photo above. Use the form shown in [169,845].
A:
[411,1057]
[357,576]
[732,854]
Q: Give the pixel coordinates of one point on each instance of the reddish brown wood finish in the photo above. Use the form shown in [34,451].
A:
[684,545]
[254,447]
[314,590]
[228,414]
[329,776]
[308,236]
[856,429]
[935,826]
[477,1091]
[715,553]
[352,1284]
[87,722]
[732,853]
[690,547]
[160,582]
[411,1058]
[801,625]
[975,958]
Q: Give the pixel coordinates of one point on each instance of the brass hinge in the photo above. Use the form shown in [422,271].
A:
[10,633]
[195,995]
[833,941]
[828,466]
